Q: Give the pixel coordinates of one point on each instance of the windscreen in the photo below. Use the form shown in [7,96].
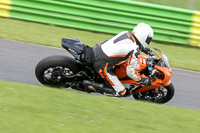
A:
[165,60]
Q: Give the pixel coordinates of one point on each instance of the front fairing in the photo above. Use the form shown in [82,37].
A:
[162,65]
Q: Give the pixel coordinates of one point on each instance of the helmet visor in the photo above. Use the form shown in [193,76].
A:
[148,40]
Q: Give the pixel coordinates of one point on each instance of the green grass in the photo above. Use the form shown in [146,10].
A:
[36,109]
[179,56]
[175,3]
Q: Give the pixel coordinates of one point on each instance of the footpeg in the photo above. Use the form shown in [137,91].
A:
[92,86]
[97,87]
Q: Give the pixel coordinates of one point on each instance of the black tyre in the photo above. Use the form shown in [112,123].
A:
[163,95]
[50,70]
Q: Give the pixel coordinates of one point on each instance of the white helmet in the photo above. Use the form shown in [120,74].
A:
[144,34]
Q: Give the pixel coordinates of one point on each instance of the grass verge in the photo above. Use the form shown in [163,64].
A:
[179,56]
[30,109]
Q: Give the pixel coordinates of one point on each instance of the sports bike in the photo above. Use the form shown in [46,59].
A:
[71,71]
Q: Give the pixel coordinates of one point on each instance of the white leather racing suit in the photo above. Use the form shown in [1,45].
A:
[113,52]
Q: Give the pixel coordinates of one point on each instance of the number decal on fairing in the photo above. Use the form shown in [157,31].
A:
[142,61]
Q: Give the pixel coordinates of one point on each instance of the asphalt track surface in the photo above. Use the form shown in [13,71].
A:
[18,61]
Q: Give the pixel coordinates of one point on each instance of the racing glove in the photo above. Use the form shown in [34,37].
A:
[145,81]
[147,50]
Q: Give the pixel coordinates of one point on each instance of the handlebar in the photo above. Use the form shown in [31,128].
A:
[151,69]
[150,63]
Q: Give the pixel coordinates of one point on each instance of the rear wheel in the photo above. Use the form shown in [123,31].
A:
[53,70]
[159,95]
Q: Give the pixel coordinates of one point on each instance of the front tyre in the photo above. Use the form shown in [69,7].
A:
[159,95]
[53,70]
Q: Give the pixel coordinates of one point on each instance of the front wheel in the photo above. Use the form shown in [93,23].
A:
[52,70]
[159,95]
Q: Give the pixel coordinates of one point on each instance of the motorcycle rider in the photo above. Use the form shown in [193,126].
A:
[122,47]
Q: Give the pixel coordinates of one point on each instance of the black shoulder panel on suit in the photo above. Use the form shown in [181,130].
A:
[122,37]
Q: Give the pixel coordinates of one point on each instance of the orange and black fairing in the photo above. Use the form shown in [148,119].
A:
[164,76]
[164,80]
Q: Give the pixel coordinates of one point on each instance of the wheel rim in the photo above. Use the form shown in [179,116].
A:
[161,94]
[55,74]
[154,97]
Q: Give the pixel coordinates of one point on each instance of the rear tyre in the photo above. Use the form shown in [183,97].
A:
[51,70]
[163,95]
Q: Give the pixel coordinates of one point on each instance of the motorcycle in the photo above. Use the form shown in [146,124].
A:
[67,71]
